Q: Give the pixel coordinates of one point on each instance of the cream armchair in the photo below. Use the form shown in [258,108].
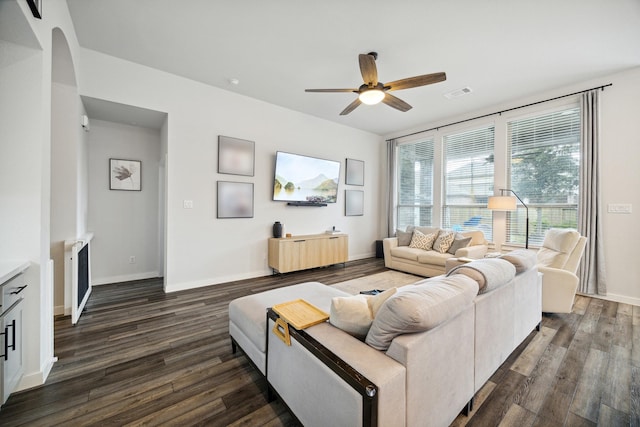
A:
[558,261]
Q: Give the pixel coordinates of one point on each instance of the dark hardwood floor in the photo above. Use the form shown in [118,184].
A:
[142,357]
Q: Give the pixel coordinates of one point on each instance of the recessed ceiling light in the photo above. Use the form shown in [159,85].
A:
[234,81]
[458,92]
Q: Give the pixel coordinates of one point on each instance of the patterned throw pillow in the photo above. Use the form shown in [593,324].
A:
[420,240]
[444,241]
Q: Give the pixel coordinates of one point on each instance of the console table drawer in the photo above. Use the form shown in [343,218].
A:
[12,291]
[311,251]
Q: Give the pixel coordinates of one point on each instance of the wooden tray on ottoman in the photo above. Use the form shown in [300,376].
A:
[300,314]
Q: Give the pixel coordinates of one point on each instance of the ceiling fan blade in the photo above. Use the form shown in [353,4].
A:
[396,103]
[368,69]
[331,90]
[416,81]
[352,107]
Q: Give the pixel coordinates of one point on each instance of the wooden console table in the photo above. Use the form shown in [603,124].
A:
[311,251]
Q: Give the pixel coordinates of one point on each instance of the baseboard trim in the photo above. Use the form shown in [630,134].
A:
[36,379]
[124,278]
[175,287]
[615,298]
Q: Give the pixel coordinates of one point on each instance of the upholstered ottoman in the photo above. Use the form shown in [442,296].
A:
[248,315]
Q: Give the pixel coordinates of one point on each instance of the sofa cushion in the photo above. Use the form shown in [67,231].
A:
[248,313]
[459,243]
[557,246]
[420,240]
[420,308]
[405,252]
[354,314]
[522,259]
[444,241]
[404,237]
[433,258]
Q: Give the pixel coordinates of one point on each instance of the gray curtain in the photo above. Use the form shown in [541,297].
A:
[391,187]
[592,267]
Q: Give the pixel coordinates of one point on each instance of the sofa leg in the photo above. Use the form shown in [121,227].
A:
[468,408]
[538,326]
[234,347]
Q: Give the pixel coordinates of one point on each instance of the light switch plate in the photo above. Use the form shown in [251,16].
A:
[623,208]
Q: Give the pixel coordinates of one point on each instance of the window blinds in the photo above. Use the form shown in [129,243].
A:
[415,183]
[544,163]
[468,179]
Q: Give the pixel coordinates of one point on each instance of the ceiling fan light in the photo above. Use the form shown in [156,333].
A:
[371,96]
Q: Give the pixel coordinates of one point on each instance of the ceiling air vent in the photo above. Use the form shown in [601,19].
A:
[458,93]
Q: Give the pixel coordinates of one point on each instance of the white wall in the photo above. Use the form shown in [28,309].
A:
[620,132]
[620,182]
[65,180]
[202,249]
[124,223]
[25,122]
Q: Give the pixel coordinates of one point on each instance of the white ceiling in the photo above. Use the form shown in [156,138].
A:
[502,49]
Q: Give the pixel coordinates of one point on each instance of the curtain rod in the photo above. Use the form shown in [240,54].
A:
[501,111]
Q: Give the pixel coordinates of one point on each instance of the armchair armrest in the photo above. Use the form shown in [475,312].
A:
[558,289]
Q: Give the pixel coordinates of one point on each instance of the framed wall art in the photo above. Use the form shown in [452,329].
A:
[125,175]
[353,202]
[235,199]
[236,156]
[355,172]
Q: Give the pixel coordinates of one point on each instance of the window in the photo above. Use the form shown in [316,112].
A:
[468,180]
[544,171]
[415,184]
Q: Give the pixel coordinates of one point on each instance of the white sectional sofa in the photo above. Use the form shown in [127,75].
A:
[329,377]
[399,255]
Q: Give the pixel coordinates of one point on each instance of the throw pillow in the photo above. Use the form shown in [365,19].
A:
[351,314]
[422,241]
[420,308]
[376,301]
[404,237]
[444,241]
[459,244]
[354,314]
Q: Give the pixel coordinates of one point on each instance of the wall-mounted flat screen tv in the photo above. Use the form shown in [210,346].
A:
[305,179]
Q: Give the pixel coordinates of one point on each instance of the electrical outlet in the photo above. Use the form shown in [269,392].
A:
[132,259]
[187,204]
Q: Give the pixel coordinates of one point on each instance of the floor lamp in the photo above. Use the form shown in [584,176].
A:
[508,203]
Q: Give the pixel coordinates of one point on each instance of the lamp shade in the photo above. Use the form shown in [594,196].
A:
[371,96]
[502,203]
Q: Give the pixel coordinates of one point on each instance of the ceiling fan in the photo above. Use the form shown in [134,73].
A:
[373,91]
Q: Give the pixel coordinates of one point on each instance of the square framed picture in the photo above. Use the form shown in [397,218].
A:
[125,175]
[236,156]
[355,172]
[235,199]
[353,202]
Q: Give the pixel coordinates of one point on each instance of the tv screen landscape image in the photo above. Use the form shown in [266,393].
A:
[305,179]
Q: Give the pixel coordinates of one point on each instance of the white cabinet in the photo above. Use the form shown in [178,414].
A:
[11,321]
[11,348]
